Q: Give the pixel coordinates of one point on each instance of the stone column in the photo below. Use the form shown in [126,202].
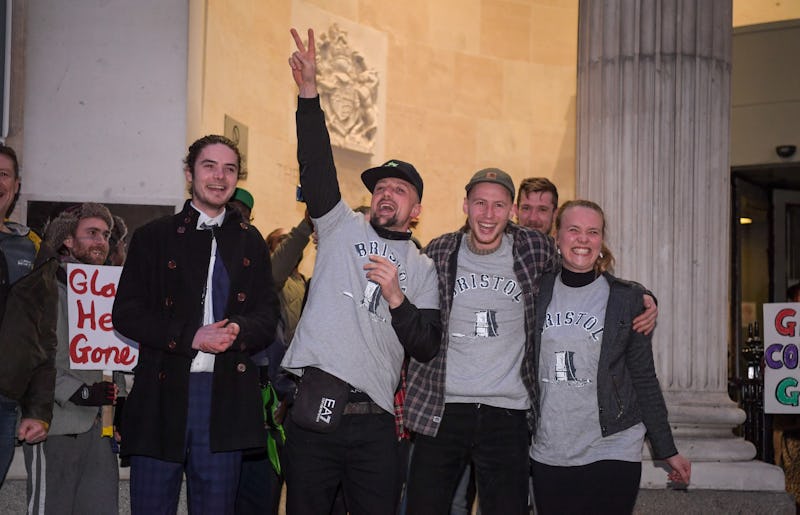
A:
[653,137]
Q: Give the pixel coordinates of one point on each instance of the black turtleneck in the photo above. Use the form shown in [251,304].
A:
[391,235]
[577,279]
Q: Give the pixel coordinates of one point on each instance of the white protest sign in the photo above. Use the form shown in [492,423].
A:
[93,343]
[781,342]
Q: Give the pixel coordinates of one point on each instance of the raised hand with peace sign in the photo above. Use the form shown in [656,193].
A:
[303,62]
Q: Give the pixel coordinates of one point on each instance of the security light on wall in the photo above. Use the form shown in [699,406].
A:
[785,151]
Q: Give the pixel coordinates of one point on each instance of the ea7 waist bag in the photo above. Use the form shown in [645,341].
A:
[320,401]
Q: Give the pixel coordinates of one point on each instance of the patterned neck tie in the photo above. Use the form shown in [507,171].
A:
[220,281]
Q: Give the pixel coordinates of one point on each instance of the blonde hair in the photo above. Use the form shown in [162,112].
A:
[605,262]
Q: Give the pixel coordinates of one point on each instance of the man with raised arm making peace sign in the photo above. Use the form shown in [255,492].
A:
[373,301]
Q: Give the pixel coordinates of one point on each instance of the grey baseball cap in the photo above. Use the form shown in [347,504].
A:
[494,175]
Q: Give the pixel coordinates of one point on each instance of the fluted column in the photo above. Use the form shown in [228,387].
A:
[653,138]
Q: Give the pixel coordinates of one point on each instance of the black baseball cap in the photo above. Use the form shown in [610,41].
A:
[393,168]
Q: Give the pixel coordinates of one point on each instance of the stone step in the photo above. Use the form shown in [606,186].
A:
[650,501]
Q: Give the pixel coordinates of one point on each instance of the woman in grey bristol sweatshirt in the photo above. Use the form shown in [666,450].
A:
[598,392]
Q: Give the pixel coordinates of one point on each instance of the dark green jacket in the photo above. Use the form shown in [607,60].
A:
[28,337]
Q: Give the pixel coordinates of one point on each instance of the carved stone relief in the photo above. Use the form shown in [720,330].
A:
[348,89]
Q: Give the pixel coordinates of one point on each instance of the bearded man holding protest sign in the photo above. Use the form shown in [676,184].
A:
[75,470]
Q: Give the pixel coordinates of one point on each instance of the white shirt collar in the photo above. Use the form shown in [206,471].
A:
[206,220]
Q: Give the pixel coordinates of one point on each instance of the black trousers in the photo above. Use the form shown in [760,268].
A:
[494,439]
[361,455]
[259,490]
[607,487]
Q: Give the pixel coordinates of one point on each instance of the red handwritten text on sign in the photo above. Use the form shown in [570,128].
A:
[93,343]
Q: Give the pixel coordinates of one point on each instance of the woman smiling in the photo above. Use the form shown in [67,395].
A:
[599,395]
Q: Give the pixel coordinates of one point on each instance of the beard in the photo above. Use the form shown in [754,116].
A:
[375,220]
[87,256]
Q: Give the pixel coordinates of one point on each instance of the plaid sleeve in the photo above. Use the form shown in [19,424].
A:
[534,256]
[399,400]
[537,253]
[424,402]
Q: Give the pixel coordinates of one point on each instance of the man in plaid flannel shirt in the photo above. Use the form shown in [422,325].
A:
[488,272]
[469,404]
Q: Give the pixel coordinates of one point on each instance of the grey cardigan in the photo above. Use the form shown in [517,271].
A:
[627,387]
